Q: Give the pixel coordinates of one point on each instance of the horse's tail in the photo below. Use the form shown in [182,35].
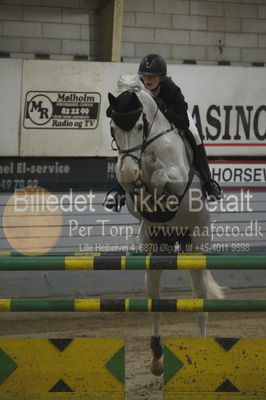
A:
[214,290]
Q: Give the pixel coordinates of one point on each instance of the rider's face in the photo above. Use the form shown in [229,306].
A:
[151,82]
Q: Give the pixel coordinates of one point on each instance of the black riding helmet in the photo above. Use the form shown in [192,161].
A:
[152,65]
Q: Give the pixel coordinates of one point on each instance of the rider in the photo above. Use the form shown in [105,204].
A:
[170,100]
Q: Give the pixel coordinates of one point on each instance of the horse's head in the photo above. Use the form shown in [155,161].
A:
[128,128]
[124,110]
[136,122]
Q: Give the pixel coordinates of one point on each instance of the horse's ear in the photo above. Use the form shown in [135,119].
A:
[112,99]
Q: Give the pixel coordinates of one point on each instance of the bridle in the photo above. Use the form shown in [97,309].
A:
[145,143]
[145,139]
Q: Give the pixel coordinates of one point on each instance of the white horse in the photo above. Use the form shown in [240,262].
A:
[155,168]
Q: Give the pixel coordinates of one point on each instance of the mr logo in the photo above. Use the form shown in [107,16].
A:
[39,109]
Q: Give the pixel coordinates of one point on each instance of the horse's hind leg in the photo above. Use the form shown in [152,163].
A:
[200,290]
[153,291]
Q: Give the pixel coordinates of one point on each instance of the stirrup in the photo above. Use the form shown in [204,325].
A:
[212,190]
[114,200]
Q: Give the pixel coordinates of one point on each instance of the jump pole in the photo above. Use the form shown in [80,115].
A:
[131,305]
[136,262]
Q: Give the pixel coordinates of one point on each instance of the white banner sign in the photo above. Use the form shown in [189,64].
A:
[228,104]
[63,107]
[239,173]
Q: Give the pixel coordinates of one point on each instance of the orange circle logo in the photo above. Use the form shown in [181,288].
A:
[32,220]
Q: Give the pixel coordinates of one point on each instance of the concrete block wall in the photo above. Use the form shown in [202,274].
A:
[193,31]
[196,31]
[62,29]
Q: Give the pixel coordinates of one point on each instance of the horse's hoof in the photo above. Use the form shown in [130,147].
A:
[157,367]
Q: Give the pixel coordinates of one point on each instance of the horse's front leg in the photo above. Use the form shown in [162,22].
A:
[200,291]
[153,291]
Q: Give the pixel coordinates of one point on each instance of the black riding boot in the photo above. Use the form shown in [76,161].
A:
[211,187]
[115,199]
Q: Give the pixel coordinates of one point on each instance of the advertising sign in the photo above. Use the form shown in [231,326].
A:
[63,107]
[235,174]
[56,173]
[68,172]
[228,106]
[62,110]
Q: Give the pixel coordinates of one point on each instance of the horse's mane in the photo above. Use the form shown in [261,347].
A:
[130,83]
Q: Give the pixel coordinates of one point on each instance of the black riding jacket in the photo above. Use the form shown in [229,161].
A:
[175,107]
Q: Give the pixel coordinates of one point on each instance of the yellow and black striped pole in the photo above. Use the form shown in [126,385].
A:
[135,262]
[131,305]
